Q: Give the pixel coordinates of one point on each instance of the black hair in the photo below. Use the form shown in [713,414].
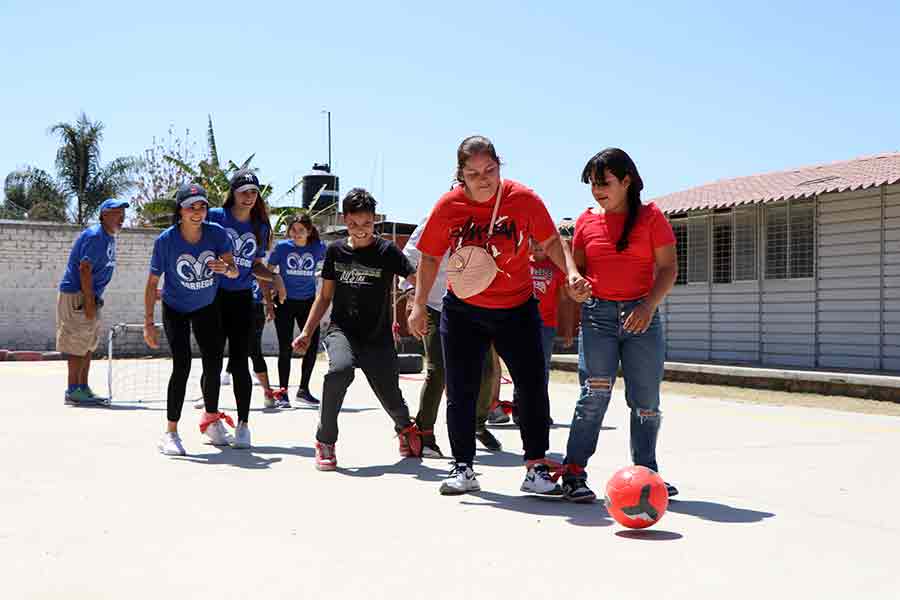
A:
[259,215]
[306,221]
[618,163]
[469,147]
[358,200]
[176,216]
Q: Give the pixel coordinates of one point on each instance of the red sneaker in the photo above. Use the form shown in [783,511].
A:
[326,459]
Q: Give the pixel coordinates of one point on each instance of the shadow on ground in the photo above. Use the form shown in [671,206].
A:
[716,512]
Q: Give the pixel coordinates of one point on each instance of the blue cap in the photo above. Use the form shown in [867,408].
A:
[113,203]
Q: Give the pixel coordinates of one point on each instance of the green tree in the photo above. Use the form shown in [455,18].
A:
[33,194]
[157,178]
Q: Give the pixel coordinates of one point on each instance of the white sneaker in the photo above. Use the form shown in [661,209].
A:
[199,403]
[226,378]
[218,435]
[538,481]
[170,444]
[460,480]
[241,436]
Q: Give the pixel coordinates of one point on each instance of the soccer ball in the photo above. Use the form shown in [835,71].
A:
[636,497]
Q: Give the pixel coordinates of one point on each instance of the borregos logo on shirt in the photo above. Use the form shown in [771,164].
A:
[244,247]
[111,254]
[301,265]
[194,272]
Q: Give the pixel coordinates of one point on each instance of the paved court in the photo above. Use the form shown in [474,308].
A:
[775,502]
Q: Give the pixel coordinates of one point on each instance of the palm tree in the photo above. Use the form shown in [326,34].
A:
[79,172]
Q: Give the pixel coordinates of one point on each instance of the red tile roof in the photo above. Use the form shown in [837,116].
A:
[856,174]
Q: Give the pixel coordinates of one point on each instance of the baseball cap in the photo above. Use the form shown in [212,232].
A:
[188,193]
[244,180]
[112,203]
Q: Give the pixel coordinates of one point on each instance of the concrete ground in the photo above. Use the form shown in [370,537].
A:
[780,501]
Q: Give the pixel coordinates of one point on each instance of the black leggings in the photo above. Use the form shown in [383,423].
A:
[207,325]
[257,324]
[236,307]
[285,316]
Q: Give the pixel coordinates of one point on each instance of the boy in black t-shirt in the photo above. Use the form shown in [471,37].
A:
[357,277]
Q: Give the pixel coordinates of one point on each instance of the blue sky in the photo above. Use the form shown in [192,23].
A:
[694,91]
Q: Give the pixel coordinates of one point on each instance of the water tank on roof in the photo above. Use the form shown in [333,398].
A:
[320,188]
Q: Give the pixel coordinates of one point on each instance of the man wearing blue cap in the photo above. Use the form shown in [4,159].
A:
[90,268]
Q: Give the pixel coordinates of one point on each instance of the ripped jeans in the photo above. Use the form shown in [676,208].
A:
[603,343]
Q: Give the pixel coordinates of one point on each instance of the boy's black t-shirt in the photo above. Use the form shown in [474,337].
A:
[363,278]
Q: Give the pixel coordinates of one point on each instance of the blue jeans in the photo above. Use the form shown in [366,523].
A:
[604,343]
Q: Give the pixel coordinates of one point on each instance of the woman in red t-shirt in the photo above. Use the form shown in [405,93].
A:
[627,251]
[504,313]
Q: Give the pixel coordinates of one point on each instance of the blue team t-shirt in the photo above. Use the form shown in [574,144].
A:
[297,267]
[245,247]
[99,249]
[257,291]
[189,284]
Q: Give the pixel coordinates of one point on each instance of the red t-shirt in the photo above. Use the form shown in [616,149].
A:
[624,275]
[457,220]
[548,279]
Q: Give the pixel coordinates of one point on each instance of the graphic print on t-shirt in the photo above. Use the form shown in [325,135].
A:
[357,275]
[244,247]
[111,253]
[302,265]
[471,232]
[194,273]
[542,279]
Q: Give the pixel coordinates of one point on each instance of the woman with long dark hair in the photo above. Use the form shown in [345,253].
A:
[246,220]
[627,251]
[297,259]
[193,256]
[486,223]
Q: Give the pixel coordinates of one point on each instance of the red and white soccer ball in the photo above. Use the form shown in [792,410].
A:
[636,497]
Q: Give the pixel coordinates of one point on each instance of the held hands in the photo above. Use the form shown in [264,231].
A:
[639,319]
[301,343]
[417,321]
[151,335]
[578,288]
[278,282]
[222,268]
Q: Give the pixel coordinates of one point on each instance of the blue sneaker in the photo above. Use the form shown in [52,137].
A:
[304,397]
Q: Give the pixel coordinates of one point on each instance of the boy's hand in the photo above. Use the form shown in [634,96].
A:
[301,343]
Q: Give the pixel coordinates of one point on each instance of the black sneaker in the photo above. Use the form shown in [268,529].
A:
[673,491]
[576,490]
[307,398]
[488,440]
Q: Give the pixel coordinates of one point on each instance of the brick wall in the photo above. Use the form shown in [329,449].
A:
[33,258]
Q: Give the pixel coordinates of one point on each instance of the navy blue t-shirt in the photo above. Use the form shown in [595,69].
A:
[99,249]
[297,267]
[246,248]
[257,291]
[189,284]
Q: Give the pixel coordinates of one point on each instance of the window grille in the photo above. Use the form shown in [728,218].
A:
[745,244]
[681,248]
[698,250]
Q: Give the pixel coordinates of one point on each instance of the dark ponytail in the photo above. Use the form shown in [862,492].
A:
[618,163]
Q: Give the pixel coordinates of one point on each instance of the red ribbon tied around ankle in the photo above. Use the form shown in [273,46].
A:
[207,420]
[557,470]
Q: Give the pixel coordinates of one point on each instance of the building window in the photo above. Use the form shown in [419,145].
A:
[802,223]
[680,228]
[789,240]
[722,247]
[745,244]
[698,250]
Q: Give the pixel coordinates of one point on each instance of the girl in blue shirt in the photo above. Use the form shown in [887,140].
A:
[297,259]
[192,256]
[246,219]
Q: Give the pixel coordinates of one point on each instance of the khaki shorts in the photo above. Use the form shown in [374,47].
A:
[75,334]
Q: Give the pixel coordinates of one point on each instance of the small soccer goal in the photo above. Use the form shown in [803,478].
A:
[137,373]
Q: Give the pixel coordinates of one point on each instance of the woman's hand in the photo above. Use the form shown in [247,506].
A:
[418,321]
[151,335]
[639,319]
[578,288]
[301,343]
